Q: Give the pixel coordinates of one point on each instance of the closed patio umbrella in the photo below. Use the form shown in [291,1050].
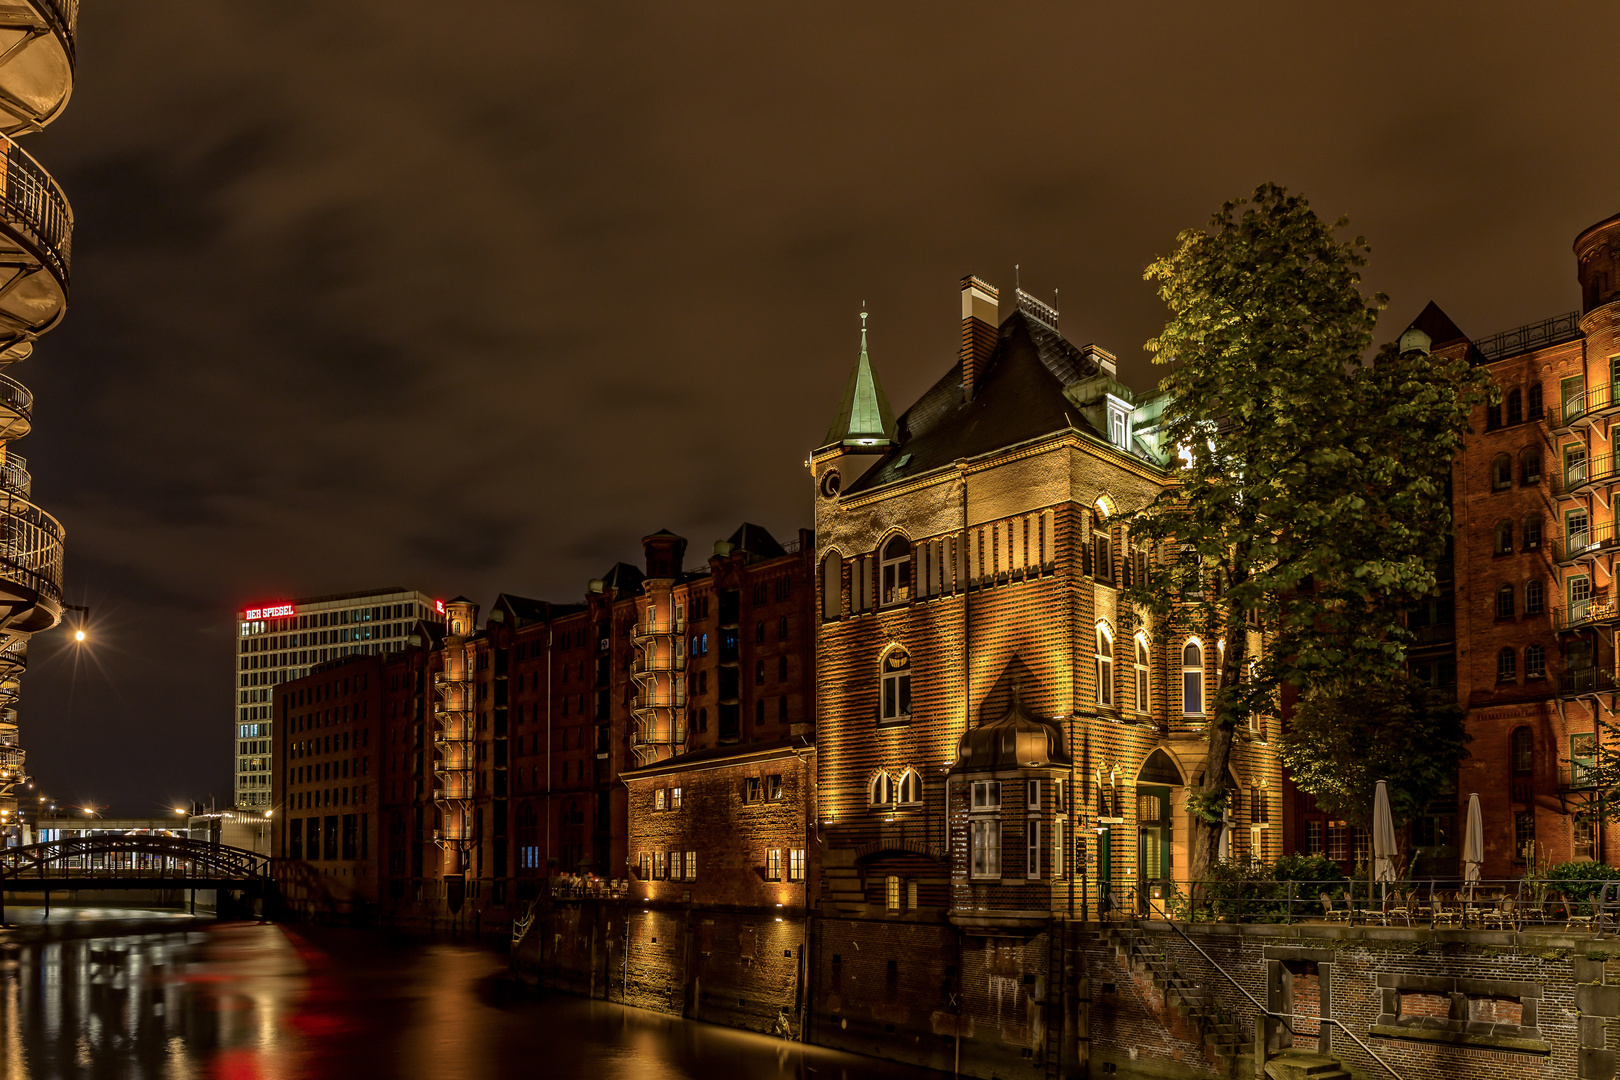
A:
[1473,851]
[1383,837]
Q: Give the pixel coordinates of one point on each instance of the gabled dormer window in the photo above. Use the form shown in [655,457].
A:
[1119,426]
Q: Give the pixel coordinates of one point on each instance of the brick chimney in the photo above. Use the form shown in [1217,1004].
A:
[980,315]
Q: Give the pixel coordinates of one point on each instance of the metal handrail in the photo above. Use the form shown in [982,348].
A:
[1281,1018]
[1552,331]
[31,546]
[14,475]
[1594,539]
[33,200]
[64,17]
[16,397]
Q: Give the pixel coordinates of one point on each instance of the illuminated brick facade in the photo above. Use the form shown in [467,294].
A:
[329,742]
[973,574]
[1535,552]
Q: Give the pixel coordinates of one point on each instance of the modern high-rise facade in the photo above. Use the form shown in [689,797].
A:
[281,641]
[37,44]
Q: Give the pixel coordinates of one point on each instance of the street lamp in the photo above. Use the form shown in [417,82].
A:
[83,620]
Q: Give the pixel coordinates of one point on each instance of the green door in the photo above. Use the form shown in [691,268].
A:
[1153,869]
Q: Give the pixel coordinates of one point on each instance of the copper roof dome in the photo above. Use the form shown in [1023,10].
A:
[1018,740]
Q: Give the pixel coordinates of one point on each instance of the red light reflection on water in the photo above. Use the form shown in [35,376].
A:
[249,1001]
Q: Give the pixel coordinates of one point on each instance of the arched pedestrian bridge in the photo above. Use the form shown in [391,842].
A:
[131,861]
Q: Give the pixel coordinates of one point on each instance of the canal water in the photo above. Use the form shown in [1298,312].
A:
[132,995]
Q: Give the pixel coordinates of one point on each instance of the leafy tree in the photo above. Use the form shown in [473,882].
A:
[1345,737]
[1312,500]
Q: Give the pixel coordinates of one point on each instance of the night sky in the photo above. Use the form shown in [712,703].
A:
[468,298]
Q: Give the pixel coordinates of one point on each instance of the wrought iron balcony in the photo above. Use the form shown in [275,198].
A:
[644,665]
[1597,610]
[647,630]
[1582,681]
[1584,544]
[16,409]
[1534,335]
[30,554]
[1580,477]
[37,227]
[38,42]
[11,759]
[14,478]
[1576,776]
[1588,407]
[662,735]
[1439,633]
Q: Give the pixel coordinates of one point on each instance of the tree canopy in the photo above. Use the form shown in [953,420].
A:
[1343,738]
[1312,500]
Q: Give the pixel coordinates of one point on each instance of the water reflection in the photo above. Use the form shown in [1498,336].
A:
[245,1001]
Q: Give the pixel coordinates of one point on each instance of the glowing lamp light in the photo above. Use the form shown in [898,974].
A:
[78,635]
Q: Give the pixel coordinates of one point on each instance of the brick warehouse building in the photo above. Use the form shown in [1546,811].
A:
[998,743]
[507,753]
[1534,555]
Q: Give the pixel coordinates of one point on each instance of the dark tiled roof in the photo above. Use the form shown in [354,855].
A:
[1019,397]
[755,540]
[623,578]
[524,609]
[1438,325]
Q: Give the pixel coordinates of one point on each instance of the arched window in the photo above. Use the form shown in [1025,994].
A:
[1530,532]
[1524,752]
[1192,680]
[1504,601]
[1105,665]
[1102,549]
[1535,661]
[895,571]
[832,587]
[1493,416]
[1530,465]
[1507,666]
[1501,472]
[880,792]
[1515,406]
[1533,402]
[1535,597]
[1504,537]
[910,788]
[896,681]
[1142,700]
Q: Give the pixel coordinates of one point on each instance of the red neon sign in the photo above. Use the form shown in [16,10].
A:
[438,606]
[273,611]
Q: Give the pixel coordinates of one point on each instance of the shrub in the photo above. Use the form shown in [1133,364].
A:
[1580,881]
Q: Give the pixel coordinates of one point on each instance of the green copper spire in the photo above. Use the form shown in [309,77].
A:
[864,420]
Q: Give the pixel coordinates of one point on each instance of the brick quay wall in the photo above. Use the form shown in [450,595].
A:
[1098,1000]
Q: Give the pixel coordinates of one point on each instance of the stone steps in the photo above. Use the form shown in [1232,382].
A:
[1188,998]
[1301,1065]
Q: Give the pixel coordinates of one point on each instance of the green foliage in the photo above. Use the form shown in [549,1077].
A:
[1344,738]
[1306,868]
[1247,891]
[1313,496]
[1209,805]
[1580,881]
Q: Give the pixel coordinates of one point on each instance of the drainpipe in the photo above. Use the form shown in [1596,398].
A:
[548,755]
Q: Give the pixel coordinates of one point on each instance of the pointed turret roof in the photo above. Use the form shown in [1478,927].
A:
[1438,325]
[864,417]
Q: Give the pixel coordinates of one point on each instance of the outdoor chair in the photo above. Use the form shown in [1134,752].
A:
[1503,915]
[1329,912]
[1575,918]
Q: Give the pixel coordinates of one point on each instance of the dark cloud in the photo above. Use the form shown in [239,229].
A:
[362,294]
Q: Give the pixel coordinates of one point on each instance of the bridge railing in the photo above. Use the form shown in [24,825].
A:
[124,856]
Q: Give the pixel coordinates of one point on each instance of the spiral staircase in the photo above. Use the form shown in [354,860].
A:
[36,234]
